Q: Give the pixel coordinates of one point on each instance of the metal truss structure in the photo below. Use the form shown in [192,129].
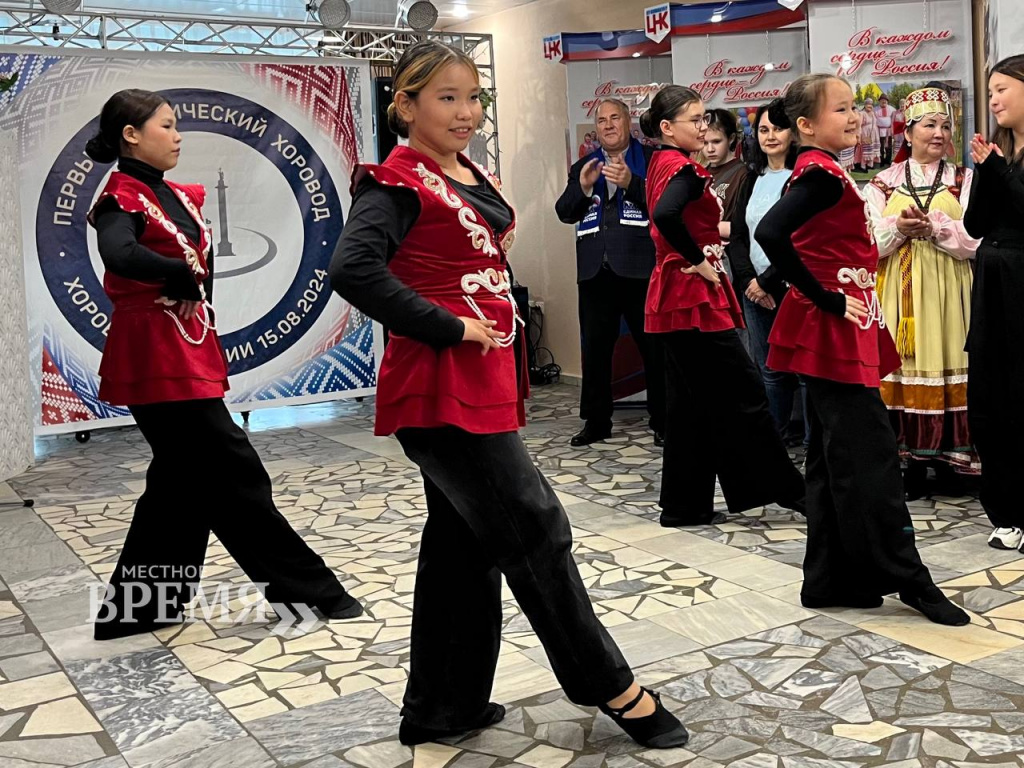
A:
[166,33]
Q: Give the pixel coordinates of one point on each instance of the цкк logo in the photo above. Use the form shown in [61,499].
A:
[72,183]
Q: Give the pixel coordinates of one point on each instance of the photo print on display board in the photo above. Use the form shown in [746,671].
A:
[871,155]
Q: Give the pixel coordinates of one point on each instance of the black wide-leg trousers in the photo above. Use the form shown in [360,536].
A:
[490,512]
[205,476]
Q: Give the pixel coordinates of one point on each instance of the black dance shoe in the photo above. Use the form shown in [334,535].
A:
[115,630]
[658,730]
[410,735]
[937,607]
[591,433]
[659,439]
[345,608]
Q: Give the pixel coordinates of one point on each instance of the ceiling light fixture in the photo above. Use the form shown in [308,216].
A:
[333,14]
[420,15]
[61,6]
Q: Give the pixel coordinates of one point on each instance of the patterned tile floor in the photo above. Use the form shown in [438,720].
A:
[710,615]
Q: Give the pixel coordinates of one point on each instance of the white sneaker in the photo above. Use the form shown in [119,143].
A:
[1006,538]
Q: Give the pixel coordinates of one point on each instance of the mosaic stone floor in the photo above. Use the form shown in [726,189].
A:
[710,615]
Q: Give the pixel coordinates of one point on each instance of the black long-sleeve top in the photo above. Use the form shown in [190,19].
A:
[118,234]
[997,199]
[378,221]
[814,192]
[683,189]
[739,246]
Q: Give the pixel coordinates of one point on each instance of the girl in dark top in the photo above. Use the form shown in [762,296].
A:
[424,252]
[163,360]
[753,275]
[995,381]
[714,391]
[860,539]
[727,170]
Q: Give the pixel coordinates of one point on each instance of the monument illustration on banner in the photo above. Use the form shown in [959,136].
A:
[225,249]
[224,246]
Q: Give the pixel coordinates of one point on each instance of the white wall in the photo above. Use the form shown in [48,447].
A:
[1006,27]
[998,33]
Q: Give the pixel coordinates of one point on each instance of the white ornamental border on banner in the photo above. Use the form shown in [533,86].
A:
[305,345]
[16,448]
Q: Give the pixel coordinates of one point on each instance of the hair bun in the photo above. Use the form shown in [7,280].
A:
[100,150]
[650,130]
[777,114]
[396,124]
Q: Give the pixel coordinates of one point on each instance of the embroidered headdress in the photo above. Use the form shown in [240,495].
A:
[927,101]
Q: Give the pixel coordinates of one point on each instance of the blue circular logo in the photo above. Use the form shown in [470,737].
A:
[72,183]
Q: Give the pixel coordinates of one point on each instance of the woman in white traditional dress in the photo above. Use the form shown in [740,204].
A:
[899,127]
[870,141]
[924,284]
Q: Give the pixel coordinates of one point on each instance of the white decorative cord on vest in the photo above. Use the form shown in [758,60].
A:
[202,314]
[496,283]
[717,251]
[866,282]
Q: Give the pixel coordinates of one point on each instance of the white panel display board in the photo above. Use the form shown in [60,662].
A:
[741,68]
[635,81]
[895,42]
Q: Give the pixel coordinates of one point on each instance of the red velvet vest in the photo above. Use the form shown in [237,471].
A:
[838,248]
[677,301]
[452,258]
[152,355]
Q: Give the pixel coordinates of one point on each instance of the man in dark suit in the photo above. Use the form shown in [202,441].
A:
[606,198]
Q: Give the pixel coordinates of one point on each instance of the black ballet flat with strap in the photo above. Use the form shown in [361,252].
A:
[658,730]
